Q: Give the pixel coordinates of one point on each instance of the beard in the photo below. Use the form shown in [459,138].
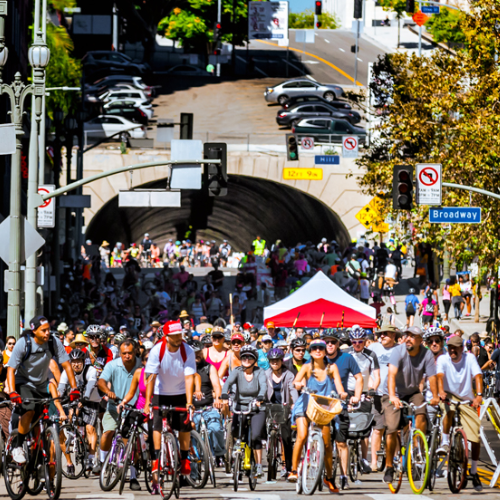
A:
[410,347]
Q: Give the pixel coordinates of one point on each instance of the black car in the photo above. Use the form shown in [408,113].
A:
[107,62]
[131,113]
[298,99]
[290,116]
[327,130]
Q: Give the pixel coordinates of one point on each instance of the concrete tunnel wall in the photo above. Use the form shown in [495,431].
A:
[252,207]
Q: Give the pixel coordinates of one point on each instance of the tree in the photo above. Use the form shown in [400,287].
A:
[444,109]
[447,26]
[397,6]
[305,20]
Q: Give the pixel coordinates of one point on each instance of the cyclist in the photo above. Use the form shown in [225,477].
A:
[428,309]
[280,390]
[434,339]
[216,354]
[28,374]
[115,382]
[172,382]
[370,371]
[408,364]
[250,383]
[295,362]
[233,359]
[324,378]
[99,353]
[456,372]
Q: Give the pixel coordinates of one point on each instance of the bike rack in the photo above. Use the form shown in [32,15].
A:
[490,402]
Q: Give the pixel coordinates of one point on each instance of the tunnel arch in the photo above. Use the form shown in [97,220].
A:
[253,206]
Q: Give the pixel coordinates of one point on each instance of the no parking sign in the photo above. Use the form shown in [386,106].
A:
[350,145]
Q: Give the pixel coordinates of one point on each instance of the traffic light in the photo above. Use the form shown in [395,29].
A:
[319,5]
[217,31]
[215,175]
[410,6]
[292,148]
[186,126]
[402,187]
[318,24]
[358,9]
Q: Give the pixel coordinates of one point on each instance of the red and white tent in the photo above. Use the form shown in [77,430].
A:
[320,298]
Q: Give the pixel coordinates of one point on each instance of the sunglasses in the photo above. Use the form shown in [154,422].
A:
[217,336]
[11,343]
[79,344]
[357,342]
[433,341]
[332,342]
[317,348]
[299,350]
[93,337]
[247,358]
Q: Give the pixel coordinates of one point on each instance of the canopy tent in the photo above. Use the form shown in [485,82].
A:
[320,302]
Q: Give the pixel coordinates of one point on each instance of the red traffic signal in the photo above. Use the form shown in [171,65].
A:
[318,25]
[319,5]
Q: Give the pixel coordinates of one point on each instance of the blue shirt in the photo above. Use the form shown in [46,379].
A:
[412,299]
[263,362]
[347,365]
[277,337]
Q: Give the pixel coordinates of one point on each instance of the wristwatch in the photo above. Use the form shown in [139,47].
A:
[479,394]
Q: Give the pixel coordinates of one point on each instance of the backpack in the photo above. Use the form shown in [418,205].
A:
[29,346]
[429,306]
[410,309]
[164,347]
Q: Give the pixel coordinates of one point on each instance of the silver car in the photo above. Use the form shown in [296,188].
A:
[291,88]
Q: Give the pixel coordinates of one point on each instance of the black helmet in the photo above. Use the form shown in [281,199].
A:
[76,355]
[196,345]
[298,343]
[207,339]
[412,291]
[249,350]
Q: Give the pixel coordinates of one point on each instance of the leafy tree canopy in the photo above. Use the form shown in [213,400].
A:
[447,26]
[305,20]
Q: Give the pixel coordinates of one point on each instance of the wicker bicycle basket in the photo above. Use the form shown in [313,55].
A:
[321,409]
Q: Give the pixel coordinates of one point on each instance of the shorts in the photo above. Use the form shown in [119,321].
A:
[393,415]
[378,413]
[28,392]
[110,421]
[468,417]
[177,418]
[427,319]
[341,427]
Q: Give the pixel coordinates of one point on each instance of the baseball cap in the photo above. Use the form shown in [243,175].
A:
[270,324]
[37,322]
[455,341]
[266,338]
[237,336]
[172,328]
[414,330]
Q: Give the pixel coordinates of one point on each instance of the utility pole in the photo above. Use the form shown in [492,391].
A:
[219,16]
[115,27]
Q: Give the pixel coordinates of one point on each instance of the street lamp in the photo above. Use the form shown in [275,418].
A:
[17,91]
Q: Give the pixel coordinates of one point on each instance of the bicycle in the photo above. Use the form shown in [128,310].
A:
[43,454]
[359,428]
[206,441]
[277,415]
[412,454]
[436,465]
[228,437]
[73,445]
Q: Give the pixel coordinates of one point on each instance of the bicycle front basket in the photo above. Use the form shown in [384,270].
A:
[278,414]
[321,410]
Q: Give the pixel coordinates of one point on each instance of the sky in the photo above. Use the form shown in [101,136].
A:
[300,5]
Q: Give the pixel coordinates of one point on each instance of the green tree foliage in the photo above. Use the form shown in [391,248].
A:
[398,6]
[305,20]
[446,26]
[444,109]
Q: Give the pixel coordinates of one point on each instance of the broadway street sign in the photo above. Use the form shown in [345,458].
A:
[454,215]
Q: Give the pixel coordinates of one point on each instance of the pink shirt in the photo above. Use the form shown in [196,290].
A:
[301,265]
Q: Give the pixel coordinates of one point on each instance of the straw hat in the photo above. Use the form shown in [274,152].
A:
[105,244]
[79,339]
[184,314]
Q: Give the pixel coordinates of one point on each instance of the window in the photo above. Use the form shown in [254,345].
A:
[307,85]
[116,58]
[305,109]
[291,85]
[111,120]
[319,123]
[342,127]
[322,109]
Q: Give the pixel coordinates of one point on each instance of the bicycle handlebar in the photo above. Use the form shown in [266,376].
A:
[175,408]
[457,403]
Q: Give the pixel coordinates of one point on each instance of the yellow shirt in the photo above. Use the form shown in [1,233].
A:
[455,290]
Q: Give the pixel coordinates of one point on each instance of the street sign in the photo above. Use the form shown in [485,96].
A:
[380,227]
[307,142]
[327,160]
[304,36]
[149,198]
[29,235]
[354,27]
[429,184]
[186,176]
[75,201]
[47,212]
[430,9]
[377,204]
[8,142]
[267,20]
[420,18]
[302,174]
[367,215]
[350,146]
[455,215]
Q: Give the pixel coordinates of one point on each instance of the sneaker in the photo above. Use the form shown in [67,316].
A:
[258,471]
[155,490]
[18,455]
[134,485]
[476,482]
[443,449]
[97,468]
[389,475]
[292,477]
[70,469]
[185,467]
[284,472]
[365,466]
[90,464]
[344,483]
[330,484]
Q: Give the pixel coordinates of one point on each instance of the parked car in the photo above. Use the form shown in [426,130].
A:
[113,80]
[112,62]
[143,106]
[282,92]
[131,112]
[187,70]
[287,117]
[106,126]
[328,130]
[298,99]
[113,94]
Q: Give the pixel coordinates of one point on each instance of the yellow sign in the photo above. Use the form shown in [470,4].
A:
[380,227]
[303,174]
[367,215]
[377,204]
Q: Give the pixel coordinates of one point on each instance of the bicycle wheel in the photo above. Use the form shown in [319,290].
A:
[252,473]
[168,464]
[457,461]
[148,474]
[312,468]
[397,463]
[53,464]
[418,462]
[236,469]
[271,456]
[433,459]
[111,470]
[75,447]
[198,457]
[129,450]
[381,456]
[354,461]
[12,473]
[228,457]
[298,484]
[335,461]
[211,458]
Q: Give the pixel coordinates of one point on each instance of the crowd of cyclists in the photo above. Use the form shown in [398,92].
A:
[176,401]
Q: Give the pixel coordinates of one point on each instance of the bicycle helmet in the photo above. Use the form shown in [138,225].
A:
[249,350]
[412,291]
[433,331]
[119,338]
[275,353]
[357,333]
[207,339]
[94,330]
[247,337]
[76,355]
[148,345]
[227,337]
[328,333]
[298,343]
[196,345]
[208,330]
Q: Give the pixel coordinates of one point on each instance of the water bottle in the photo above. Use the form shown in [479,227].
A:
[143,442]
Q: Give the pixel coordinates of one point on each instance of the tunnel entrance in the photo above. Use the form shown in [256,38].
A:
[252,207]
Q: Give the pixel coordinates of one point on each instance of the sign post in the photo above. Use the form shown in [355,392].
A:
[47,211]
[429,184]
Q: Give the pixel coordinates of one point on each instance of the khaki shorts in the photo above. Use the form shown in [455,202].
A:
[393,415]
[378,414]
[468,417]
[110,421]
